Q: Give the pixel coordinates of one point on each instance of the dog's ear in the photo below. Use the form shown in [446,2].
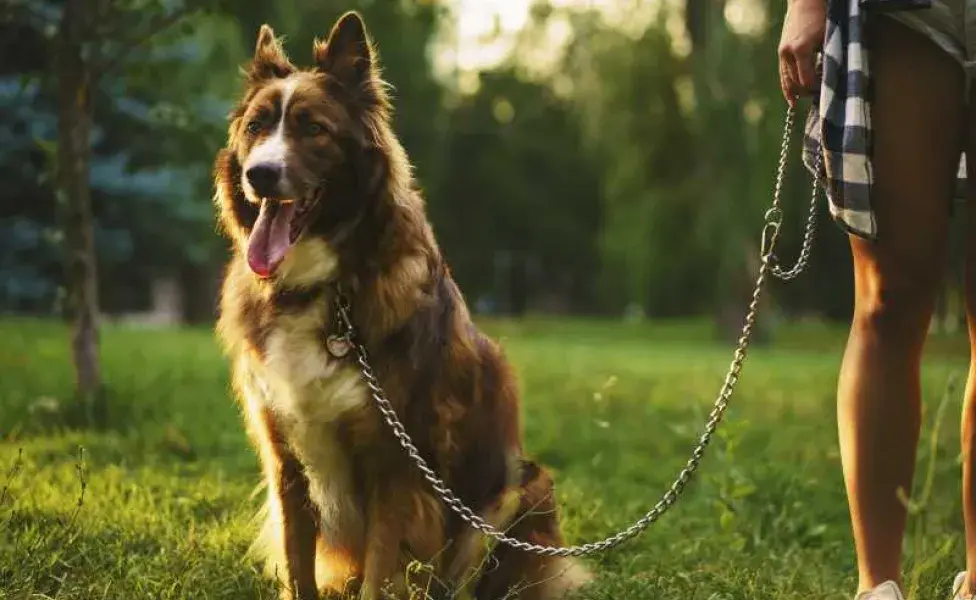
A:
[270,60]
[348,55]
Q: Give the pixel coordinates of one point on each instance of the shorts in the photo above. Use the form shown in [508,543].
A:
[951,24]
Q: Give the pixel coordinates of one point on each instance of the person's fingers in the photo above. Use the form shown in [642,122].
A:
[788,77]
[803,30]
[798,75]
[806,72]
[785,87]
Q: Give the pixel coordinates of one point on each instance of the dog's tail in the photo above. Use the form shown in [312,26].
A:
[513,573]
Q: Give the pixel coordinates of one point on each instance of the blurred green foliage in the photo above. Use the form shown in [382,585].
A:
[631,173]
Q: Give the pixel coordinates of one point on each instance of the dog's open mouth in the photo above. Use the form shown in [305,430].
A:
[278,227]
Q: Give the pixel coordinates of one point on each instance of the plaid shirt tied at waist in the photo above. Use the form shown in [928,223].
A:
[837,137]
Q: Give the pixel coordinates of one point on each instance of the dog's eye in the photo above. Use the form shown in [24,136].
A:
[314,129]
[254,127]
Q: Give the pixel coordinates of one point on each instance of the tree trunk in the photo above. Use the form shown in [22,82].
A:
[74,194]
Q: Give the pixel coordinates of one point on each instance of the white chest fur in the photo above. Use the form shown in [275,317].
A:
[307,390]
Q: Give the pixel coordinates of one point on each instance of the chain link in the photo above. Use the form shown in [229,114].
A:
[771,230]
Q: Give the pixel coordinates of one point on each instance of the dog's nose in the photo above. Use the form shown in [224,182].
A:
[264,178]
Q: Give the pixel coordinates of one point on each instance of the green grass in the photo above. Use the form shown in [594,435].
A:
[159,504]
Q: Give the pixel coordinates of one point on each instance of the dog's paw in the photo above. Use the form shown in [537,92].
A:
[286,594]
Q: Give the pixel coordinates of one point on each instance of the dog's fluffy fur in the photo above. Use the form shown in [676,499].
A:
[345,504]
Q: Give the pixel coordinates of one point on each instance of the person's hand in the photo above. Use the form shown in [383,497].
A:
[803,34]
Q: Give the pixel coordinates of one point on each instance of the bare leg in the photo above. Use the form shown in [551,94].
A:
[968,434]
[918,117]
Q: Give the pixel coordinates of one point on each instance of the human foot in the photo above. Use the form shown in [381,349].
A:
[957,588]
[886,591]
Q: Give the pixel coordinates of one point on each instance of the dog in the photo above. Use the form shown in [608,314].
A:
[314,191]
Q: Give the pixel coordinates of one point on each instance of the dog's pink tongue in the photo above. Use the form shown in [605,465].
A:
[271,237]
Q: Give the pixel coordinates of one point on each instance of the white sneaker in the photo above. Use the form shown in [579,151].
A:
[886,591]
[957,586]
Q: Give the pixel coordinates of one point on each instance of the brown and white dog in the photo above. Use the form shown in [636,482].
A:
[314,188]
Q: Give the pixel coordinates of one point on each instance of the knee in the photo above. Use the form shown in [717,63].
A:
[896,309]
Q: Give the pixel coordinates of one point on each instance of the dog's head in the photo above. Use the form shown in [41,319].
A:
[295,166]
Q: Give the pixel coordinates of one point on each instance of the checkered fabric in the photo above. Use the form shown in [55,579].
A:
[837,137]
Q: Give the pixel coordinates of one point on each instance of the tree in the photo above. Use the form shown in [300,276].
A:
[519,210]
[75,78]
[639,131]
[94,39]
[686,125]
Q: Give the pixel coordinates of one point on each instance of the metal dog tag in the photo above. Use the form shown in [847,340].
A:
[338,345]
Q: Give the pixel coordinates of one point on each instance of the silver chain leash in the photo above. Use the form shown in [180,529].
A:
[811,226]
[772,222]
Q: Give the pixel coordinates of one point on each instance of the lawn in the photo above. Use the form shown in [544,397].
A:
[158,502]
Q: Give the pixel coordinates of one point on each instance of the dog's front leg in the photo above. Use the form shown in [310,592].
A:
[295,516]
[299,524]
[383,536]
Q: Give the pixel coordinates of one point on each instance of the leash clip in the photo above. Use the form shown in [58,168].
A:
[339,344]
[774,220]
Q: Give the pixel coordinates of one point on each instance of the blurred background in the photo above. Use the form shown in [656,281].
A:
[583,157]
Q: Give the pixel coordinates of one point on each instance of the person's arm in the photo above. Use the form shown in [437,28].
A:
[803,33]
